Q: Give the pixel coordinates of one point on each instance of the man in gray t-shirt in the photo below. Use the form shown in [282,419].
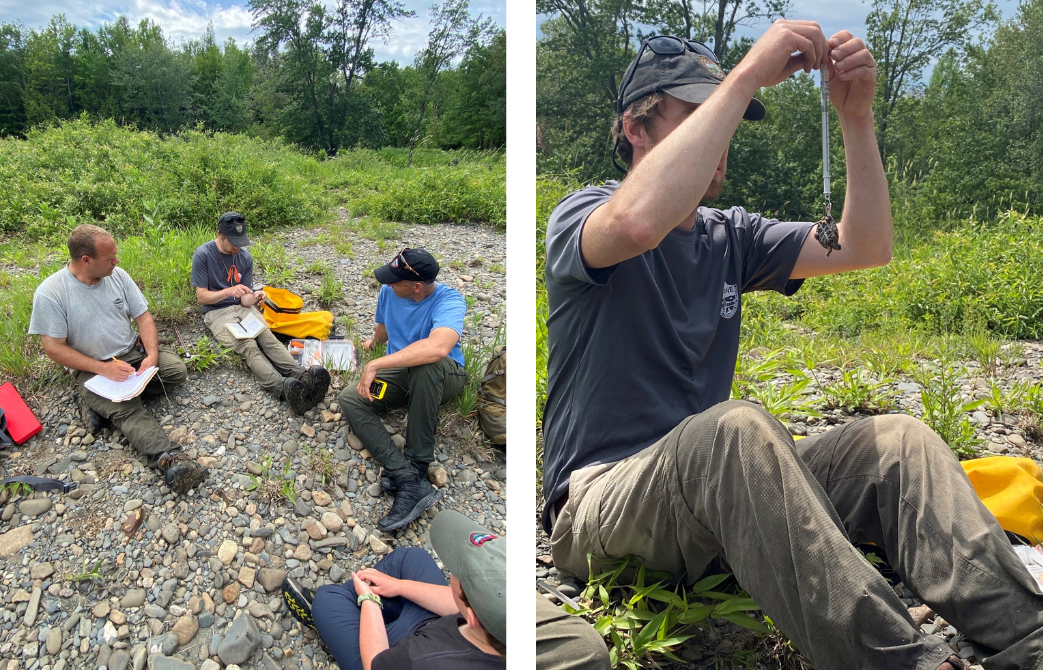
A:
[222,274]
[644,453]
[82,314]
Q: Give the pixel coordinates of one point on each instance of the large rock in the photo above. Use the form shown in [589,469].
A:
[171,533]
[133,598]
[240,642]
[166,663]
[54,641]
[185,629]
[226,552]
[246,577]
[378,547]
[165,644]
[35,506]
[119,660]
[332,522]
[321,498]
[41,570]
[271,579]
[230,593]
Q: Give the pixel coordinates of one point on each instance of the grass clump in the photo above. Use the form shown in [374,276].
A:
[272,485]
[945,407]
[207,353]
[330,290]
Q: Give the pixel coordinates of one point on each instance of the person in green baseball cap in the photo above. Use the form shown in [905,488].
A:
[402,614]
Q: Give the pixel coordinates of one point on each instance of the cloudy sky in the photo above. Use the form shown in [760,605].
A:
[187,19]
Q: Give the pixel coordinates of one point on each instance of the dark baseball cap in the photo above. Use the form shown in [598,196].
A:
[409,265]
[692,74]
[233,225]
[478,560]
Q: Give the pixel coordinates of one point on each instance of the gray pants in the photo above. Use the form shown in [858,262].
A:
[731,481]
[143,432]
[422,389]
[267,357]
[566,642]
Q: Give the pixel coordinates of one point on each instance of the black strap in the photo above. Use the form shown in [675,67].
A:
[41,483]
[4,437]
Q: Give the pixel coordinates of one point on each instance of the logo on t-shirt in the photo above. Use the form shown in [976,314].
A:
[119,303]
[729,301]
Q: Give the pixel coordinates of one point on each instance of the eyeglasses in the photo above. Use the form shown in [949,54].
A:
[663,45]
[409,267]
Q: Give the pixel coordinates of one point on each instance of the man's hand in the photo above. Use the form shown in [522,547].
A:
[237,291]
[852,78]
[772,59]
[369,373]
[259,297]
[383,585]
[148,362]
[361,586]
[117,371]
[368,344]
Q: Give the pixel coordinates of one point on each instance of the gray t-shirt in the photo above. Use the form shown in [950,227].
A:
[94,320]
[637,347]
[216,271]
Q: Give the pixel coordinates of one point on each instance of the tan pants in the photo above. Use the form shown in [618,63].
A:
[143,432]
[566,642]
[267,357]
[731,481]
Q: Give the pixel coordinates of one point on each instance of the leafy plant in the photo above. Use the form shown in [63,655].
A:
[206,353]
[643,621]
[858,391]
[330,291]
[274,486]
[945,408]
[93,573]
[18,489]
[986,351]
[476,357]
[778,396]
[1007,402]
[272,262]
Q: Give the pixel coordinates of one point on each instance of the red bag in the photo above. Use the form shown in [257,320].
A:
[21,423]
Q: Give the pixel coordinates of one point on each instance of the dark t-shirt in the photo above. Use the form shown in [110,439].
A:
[437,645]
[637,347]
[216,271]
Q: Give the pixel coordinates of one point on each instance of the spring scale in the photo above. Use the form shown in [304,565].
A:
[826,232]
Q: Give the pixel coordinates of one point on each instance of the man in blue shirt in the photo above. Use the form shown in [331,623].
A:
[421,322]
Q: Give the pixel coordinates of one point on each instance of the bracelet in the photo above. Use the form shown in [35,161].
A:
[371,597]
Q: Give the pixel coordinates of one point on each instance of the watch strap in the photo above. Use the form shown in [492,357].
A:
[370,596]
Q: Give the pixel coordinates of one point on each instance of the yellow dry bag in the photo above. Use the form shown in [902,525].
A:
[282,313]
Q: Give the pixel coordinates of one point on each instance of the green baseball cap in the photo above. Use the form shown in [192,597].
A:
[478,560]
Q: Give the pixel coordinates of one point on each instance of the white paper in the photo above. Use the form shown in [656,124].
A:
[115,391]
[331,354]
[247,328]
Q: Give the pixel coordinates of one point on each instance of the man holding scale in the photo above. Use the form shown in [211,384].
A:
[222,274]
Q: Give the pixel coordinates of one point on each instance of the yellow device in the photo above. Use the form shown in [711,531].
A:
[377,389]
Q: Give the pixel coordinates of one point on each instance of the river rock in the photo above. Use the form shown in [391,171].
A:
[240,642]
[185,628]
[35,506]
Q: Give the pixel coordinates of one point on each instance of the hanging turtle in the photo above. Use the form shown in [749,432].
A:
[827,234]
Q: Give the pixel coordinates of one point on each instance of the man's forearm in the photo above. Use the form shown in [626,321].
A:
[866,221]
[63,354]
[373,637]
[420,352]
[205,297]
[432,597]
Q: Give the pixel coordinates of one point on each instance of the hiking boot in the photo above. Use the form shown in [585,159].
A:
[388,483]
[181,473]
[296,394]
[953,663]
[413,497]
[298,600]
[317,379]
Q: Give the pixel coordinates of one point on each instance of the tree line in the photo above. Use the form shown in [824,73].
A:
[965,140]
[310,77]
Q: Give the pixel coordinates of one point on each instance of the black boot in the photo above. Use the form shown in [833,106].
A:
[181,473]
[388,483]
[296,394]
[317,379]
[413,497]
[298,601]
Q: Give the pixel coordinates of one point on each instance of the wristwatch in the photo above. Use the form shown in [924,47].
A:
[370,596]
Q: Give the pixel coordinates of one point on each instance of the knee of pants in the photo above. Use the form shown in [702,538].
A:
[761,431]
[429,372]
[351,402]
[177,374]
[332,598]
[900,437]
[244,346]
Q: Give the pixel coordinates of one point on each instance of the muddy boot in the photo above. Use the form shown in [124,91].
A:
[296,394]
[317,379]
[181,473]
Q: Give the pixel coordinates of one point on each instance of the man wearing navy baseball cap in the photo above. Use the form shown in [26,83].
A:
[402,614]
[421,322]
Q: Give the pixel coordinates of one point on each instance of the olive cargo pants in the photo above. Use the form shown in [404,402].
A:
[267,357]
[423,389]
[144,434]
[731,480]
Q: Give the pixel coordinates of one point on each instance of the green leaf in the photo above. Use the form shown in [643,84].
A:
[746,622]
[708,583]
[695,614]
[737,605]
[648,633]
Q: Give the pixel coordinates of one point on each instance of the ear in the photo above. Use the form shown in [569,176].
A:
[636,134]
[472,620]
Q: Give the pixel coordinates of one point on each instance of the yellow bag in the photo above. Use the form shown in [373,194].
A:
[1012,489]
[282,313]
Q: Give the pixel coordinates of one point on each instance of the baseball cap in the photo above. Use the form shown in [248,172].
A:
[691,74]
[233,225]
[410,265]
[478,560]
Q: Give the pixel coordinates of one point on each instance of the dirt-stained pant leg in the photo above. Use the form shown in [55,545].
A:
[896,484]
[267,358]
[566,642]
[730,480]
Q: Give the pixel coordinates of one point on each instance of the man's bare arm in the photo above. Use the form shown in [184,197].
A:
[61,353]
[665,188]
[205,297]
